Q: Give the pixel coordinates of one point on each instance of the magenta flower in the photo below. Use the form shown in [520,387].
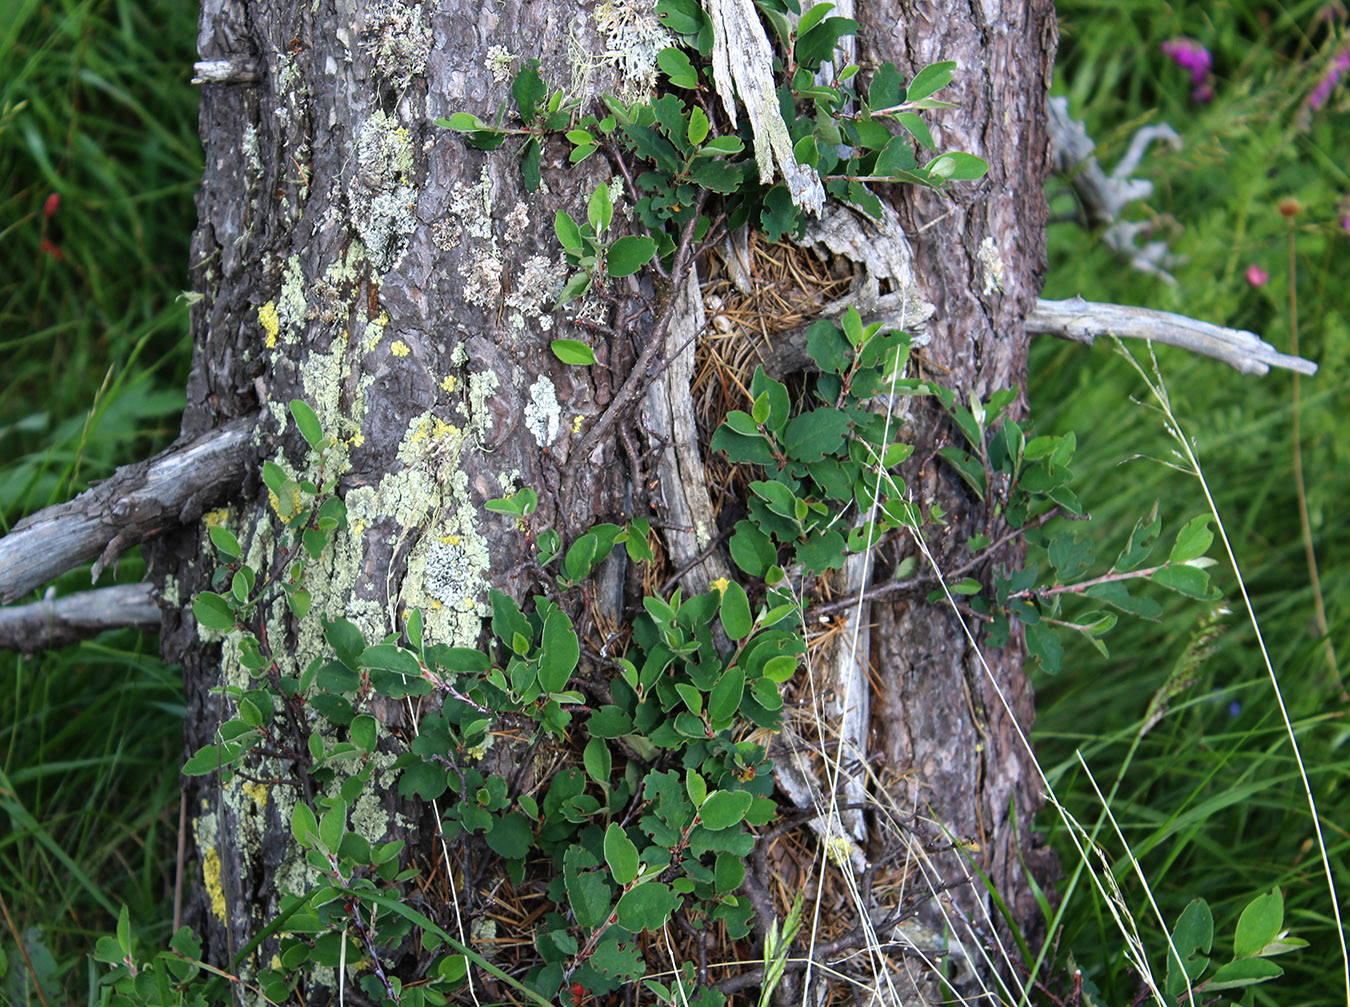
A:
[1257,276]
[1191,56]
[1195,59]
[1340,65]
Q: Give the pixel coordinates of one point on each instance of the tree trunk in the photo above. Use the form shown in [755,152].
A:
[354,255]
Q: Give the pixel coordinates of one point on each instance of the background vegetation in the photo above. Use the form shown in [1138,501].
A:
[96,108]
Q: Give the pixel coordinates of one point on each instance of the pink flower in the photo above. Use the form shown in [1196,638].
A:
[1340,65]
[1189,55]
[1194,58]
[1257,276]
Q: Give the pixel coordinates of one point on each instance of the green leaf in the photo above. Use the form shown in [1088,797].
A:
[813,435]
[1044,645]
[884,91]
[598,761]
[728,873]
[223,539]
[676,65]
[569,234]
[618,959]
[528,88]
[362,732]
[724,808]
[560,652]
[333,825]
[957,166]
[824,550]
[1193,937]
[817,45]
[929,80]
[304,825]
[620,854]
[698,126]
[1259,924]
[735,612]
[529,164]
[916,128]
[647,907]
[600,210]
[511,835]
[462,122]
[725,698]
[587,891]
[573,351]
[1193,540]
[780,669]
[307,421]
[1188,580]
[629,254]
[751,549]
[1244,972]
[826,345]
[1141,541]
[213,611]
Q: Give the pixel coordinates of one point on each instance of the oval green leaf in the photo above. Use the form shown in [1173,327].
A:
[724,809]
[621,855]
[573,351]
[629,254]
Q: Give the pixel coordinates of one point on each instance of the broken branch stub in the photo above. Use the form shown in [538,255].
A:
[743,64]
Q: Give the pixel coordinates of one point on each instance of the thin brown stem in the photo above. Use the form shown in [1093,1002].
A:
[1319,607]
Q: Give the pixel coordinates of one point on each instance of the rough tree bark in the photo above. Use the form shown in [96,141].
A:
[352,254]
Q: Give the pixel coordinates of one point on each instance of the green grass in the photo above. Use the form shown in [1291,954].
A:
[1211,804]
[95,106]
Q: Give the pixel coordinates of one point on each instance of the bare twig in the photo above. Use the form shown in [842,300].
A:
[55,622]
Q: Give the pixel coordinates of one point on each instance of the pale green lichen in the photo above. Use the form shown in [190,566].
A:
[397,38]
[291,306]
[535,291]
[542,411]
[482,386]
[501,61]
[633,37]
[384,198]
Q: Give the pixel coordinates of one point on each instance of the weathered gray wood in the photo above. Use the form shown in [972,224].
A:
[1074,319]
[55,622]
[1084,321]
[137,501]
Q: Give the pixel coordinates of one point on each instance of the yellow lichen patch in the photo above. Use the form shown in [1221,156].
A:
[449,382]
[270,320]
[356,440]
[214,890]
[450,539]
[357,529]
[375,331]
[216,518]
[257,793]
[294,504]
[577,420]
[400,348]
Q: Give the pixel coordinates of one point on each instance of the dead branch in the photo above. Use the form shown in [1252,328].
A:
[1082,321]
[1102,196]
[55,622]
[137,502]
